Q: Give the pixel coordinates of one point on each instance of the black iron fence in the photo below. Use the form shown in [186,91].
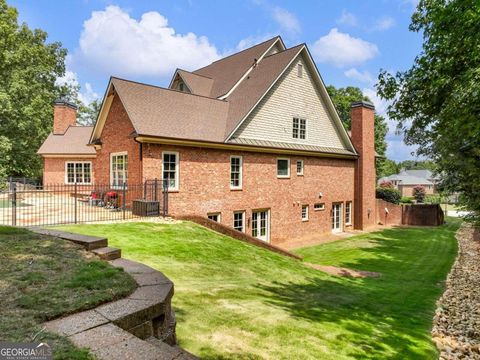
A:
[54,204]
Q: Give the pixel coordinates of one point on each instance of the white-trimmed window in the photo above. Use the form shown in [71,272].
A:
[118,168]
[214,216]
[170,171]
[299,167]
[300,70]
[239,220]
[299,130]
[283,167]
[348,213]
[319,206]
[79,172]
[304,212]
[236,165]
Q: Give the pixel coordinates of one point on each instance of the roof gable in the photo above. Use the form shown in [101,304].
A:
[228,71]
[337,132]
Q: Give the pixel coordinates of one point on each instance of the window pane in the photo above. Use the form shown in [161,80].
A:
[170,169]
[295,128]
[238,221]
[282,167]
[235,171]
[299,167]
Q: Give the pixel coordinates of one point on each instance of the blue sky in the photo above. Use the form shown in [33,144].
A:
[351,40]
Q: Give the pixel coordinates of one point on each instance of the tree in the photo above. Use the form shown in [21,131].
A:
[419,193]
[342,99]
[389,167]
[417,165]
[436,101]
[87,114]
[28,69]
[388,194]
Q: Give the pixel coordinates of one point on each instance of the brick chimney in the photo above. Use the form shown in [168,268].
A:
[64,115]
[363,138]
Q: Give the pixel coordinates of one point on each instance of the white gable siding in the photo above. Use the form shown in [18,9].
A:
[291,97]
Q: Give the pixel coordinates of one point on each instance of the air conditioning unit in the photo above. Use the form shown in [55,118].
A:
[146,208]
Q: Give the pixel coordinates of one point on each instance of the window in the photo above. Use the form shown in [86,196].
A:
[181,86]
[299,167]
[319,206]
[348,213]
[300,70]
[304,212]
[214,216]
[170,169]
[238,220]
[78,172]
[236,172]
[283,168]
[299,128]
[118,168]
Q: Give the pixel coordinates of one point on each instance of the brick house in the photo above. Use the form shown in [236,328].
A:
[406,180]
[252,141]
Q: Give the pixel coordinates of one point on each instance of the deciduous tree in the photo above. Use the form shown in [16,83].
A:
[436,101]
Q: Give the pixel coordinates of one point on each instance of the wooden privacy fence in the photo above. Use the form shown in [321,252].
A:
[409,214]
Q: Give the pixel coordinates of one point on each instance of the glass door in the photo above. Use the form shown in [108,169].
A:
[336,217]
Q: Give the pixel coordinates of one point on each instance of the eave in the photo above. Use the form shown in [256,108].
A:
[238,147]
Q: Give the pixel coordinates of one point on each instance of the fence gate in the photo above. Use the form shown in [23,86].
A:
[23,204]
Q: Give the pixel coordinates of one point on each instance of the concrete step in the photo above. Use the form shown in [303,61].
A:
[175,351]
[108,253]
[88,242]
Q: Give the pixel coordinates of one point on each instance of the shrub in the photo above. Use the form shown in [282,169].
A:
[388,194]
[419,193]
[386,185]
[406,200]
[433,199]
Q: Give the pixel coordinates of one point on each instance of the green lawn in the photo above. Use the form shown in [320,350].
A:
[237,301]
[42,278]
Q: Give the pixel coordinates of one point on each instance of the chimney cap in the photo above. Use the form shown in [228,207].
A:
[66,103]
[366,104]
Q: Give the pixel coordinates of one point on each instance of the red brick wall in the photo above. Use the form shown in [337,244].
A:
[63,116]
[407,190]
[364,141]
[205,187]
[394,216]
[116,137]
[54,169]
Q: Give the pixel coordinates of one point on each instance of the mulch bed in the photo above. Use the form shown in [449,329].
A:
[456,325]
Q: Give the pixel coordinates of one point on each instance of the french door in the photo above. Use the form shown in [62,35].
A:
[260,225]
[336,217]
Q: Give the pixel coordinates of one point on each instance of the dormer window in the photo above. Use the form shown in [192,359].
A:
[299,128]
[181,86]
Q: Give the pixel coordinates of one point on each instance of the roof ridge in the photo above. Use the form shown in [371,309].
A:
[191,72]
[167,89]
[239,52]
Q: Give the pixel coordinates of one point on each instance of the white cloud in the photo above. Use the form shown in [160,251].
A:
[113,41]
[71,78]
[252,40]
[383,23]
[287,20]
[364,76]
[347,18]
[398,151]
[341,49]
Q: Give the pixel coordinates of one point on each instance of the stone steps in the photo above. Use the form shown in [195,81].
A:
[88,242]
[108,253]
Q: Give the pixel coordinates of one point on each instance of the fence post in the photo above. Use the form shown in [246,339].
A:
[14,205]
[75,202]
[124,198]
[165,197]
[155,189]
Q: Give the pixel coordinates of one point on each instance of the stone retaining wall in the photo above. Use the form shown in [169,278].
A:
[140,326]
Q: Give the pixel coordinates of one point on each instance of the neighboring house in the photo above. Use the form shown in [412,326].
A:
[406,180]
[252,141]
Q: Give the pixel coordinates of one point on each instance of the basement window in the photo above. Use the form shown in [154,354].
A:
[239,220]
[214,217]
[319,206]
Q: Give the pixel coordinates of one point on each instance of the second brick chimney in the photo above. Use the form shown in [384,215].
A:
[363,138]
[64,115]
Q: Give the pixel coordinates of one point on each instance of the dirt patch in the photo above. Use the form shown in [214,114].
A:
[345,272]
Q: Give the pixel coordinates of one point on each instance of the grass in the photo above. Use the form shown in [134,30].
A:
[43,278]
[237,301]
